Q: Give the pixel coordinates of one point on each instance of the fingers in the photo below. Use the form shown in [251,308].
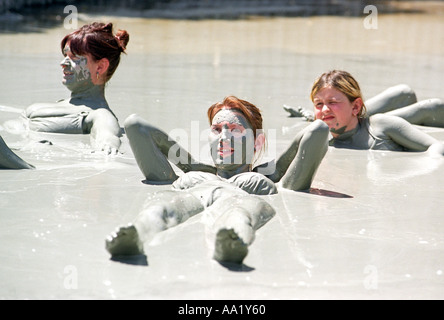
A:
[107,150]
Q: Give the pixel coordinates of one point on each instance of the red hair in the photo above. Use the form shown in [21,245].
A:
[98,40]
[249,110]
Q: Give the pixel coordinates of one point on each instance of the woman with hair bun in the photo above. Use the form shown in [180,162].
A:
[91,56]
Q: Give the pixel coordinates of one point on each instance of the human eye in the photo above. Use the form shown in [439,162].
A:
[237,131]
[68,53]
[215,129]
[318,105]
[71,58]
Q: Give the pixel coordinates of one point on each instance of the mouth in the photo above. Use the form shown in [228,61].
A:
[328,118]
[67,72]
[224,152]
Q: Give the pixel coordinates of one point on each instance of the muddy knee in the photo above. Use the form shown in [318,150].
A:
[435,104]
[132,122]
[319,132]
[405,92]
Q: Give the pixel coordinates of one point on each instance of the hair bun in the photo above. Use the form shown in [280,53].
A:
[105,27]
[122,38]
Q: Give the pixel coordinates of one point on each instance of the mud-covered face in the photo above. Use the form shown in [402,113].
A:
[231,140]
[76,71]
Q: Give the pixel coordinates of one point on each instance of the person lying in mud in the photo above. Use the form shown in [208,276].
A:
[399,100]
[232,188]
[91,56]
[338,102]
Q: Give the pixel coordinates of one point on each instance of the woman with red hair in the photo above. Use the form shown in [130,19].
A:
[91,56]
[231,187]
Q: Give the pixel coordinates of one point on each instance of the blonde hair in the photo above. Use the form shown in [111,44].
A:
[342,81]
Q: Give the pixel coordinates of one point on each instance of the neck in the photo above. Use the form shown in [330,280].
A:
[336,132]
[93,97]
[227,173]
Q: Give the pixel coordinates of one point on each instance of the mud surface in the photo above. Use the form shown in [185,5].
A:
[371,228]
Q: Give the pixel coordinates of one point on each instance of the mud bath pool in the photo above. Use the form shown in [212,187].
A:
[372,228]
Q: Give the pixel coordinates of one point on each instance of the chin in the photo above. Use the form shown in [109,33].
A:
[218,161]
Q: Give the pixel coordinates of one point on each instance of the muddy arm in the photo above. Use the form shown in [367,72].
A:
[296,167]
[104,129]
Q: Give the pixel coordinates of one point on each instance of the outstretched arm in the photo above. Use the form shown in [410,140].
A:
[9,160]
[296,167]
[154,149]
[405,134]
[56,117]
[44,110]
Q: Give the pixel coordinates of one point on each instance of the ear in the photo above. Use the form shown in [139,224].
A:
[259,142]
[357,106]
[102,66]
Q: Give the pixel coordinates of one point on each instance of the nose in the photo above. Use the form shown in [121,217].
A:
[64,62]
[225,134]
[325,108]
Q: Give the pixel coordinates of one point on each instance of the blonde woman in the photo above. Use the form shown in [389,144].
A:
[399,100]
[338,101]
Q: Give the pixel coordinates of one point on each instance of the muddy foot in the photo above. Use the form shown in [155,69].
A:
[124,242]
[229,247]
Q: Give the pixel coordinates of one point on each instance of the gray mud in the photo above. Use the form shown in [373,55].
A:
[372,226]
